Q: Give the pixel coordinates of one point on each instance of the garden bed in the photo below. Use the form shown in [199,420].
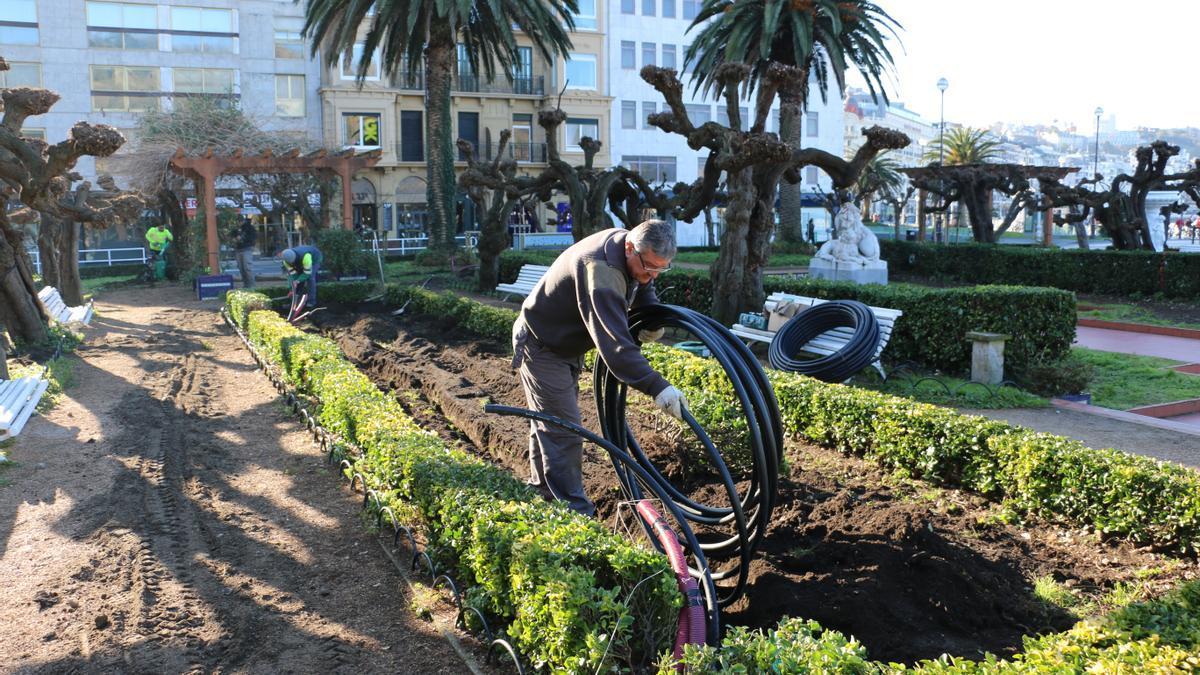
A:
[910,570]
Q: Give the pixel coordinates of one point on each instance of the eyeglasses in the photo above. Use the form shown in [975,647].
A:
[648,268]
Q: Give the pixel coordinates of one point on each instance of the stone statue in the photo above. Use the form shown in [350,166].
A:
[853,243]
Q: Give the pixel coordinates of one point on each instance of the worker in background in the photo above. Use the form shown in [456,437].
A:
[582,302]
[302,264]
[158,238]
[247,236]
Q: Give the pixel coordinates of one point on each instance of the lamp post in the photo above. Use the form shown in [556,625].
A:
[1096,162]
[942,85]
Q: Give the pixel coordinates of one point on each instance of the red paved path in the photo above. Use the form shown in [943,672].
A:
[1145,344]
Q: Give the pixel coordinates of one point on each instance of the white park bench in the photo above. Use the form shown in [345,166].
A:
[59,311]
[527,278]
[831,340]
[18,400]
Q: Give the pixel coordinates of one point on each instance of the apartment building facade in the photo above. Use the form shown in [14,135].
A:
[386,112]
[655,32]
[112,61]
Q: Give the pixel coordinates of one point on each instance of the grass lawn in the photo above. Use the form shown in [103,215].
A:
[1131,314]
[94,284]
[1124,381]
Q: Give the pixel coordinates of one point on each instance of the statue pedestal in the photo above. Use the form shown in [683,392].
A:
[871,273]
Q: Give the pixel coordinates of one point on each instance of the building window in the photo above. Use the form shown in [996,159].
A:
[214,25]
[523,71]
[578,128]
[691,8]
[812,127]
[348,67]
[810,175]
[648,8]
[18,22]
[668,9]
[21,74]
[203,80]
[628,54]
[628,114]
[136,26]
[581,71]
[412,136]
[648,109]
[521,144]
[362,129]
[468,130]
[627,6]
[124,88]
[699,114]
[289,95]
[649,54]
[668,56]
[653,169]
[289,45]
[33,133]
[585,18]
[723,115]
[701,164]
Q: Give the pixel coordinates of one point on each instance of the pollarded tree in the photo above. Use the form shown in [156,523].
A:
[822,38]
[412,32]
[38,175]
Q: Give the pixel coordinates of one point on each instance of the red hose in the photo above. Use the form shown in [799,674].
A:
[691,617]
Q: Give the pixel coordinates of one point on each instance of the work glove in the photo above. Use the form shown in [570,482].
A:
[672,402]
[646,336]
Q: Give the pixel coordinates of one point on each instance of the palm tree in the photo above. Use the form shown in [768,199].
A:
[406,30]
[820,37]
[963,145]
[880,176]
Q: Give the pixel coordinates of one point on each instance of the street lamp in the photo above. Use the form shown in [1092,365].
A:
[1096,162]
[942,85]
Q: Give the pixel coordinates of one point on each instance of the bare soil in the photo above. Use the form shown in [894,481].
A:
[911,571]
[169,516]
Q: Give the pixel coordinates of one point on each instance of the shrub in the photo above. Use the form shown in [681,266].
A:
[343,252]
[1052,377]
[1142,273]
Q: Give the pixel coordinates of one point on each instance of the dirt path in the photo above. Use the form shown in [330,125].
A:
[170,517]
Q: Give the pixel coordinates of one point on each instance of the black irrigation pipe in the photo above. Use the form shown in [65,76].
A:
[839,366]
[336,454]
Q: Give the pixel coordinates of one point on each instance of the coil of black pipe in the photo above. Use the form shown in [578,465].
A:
[839,366]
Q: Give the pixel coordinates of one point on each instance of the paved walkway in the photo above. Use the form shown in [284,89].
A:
[1144,344]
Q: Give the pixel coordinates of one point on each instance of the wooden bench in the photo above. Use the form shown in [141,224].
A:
[59,311]
[527,278]
[831,340]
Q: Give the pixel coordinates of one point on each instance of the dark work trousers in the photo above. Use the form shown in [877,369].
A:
[551,385]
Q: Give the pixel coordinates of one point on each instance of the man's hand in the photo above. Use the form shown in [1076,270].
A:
[672,402]
[647,336]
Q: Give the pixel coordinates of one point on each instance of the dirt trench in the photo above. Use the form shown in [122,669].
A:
[909,570]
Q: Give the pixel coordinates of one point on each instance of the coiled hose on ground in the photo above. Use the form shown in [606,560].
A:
[839,366]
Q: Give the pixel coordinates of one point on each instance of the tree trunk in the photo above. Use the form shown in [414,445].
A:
[20,309]
[729,273]
[1081,236]
[978,203]
[441,187]
[58,245]
[493,240]
[3,357]
[790,214]
[921,215]
[48,251]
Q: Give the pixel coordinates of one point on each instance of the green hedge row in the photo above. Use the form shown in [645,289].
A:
[932,331]
[1141,273]
[1147,501]
[575,597]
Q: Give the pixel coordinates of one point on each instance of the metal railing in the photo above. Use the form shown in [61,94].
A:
[469,83]
[98,256]
[408,245]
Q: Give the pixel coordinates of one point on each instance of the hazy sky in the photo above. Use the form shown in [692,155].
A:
[1045,60]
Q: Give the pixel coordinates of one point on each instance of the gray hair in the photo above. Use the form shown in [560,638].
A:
[657,236]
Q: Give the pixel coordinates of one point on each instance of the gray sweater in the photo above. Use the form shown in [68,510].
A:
[584,301]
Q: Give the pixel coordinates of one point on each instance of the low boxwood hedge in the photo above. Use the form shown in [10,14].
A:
[933,330]
[1140,273]
[575,597]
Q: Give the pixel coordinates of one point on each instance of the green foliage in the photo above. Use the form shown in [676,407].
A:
[575,596]
[793,646]
[1129,273]
[1125,381]
[1068,374]
[60,372]
[1131,314]
[963,145]
[343,252]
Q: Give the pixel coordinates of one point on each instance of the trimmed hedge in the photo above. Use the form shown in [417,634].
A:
[932,331]
[1140,273]
[563,584]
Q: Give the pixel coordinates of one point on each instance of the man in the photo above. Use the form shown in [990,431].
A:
[302,264]
[583,302]
[247,237]
[158,238]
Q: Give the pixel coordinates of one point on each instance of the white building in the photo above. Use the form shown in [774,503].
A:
[861,112]
[654,32]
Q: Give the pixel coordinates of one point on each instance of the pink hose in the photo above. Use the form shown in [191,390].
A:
[691,618]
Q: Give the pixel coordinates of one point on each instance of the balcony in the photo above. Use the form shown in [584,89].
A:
[473,84]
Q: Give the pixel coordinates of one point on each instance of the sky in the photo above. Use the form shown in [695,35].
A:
[1038,61]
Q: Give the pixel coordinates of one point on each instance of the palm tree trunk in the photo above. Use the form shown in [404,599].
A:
[440,190]
[789,195]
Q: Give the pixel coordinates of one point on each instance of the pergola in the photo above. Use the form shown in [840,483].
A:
[206,168]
